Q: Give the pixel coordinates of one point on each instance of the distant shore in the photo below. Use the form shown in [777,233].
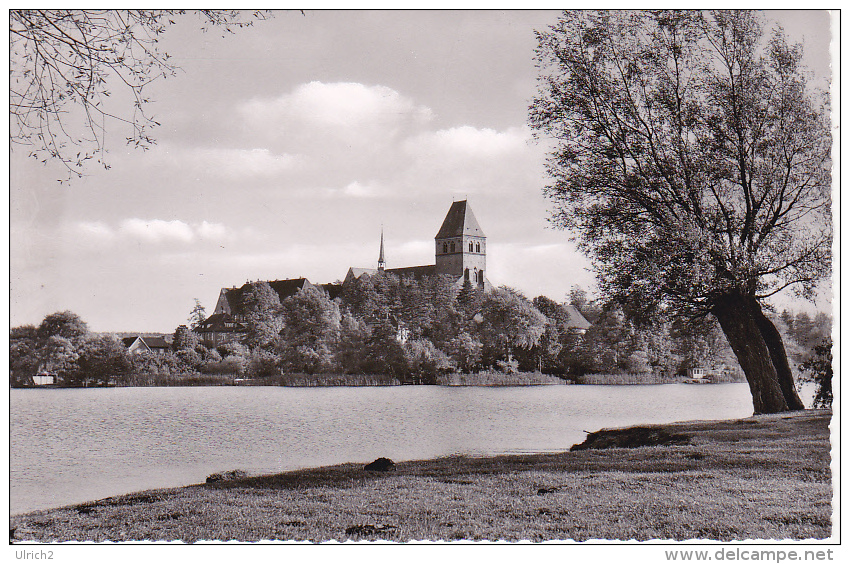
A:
[764,477]
[484,378]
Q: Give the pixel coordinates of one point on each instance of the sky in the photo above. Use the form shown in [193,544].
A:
[285,149]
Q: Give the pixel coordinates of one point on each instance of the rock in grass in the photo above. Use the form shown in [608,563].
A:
[544,491]
[363,530]
[380,465]
[226,476]
[632,437]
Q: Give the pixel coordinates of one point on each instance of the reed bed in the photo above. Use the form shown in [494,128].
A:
[498,379]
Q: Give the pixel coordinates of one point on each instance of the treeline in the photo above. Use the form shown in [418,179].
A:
[386,330]
[419,329]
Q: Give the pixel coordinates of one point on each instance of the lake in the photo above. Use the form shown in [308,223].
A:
[74,445]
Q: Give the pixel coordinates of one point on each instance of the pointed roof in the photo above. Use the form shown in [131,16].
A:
[381,261]
[459,221]
[577,320]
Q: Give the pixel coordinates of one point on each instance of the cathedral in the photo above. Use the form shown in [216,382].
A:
[460,250]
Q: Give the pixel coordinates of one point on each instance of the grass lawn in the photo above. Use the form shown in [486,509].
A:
[764,477]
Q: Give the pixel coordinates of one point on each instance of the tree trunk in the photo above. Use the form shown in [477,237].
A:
[737,318]
[773,340]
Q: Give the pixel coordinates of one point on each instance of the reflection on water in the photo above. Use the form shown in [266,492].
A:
[69,446]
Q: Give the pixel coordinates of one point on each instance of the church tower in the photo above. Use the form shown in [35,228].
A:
[381,262]
[461,246]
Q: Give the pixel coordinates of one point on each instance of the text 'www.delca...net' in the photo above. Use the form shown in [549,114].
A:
[742,554]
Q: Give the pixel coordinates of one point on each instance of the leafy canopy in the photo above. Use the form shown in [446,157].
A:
[690,158]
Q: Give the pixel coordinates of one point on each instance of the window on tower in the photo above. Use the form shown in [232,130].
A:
[445,247]
[477,247]
[453,246]
[466,274]
[470,246]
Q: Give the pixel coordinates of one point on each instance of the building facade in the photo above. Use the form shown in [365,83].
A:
[460,251]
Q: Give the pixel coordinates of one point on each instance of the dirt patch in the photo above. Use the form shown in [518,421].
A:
[633,437]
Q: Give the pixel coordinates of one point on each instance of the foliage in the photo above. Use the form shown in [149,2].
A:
[190,358]
[233,348]
[66,324]
[465,351]
[261,364]
[351,345]
[197,316]
[260,308]
[693,165]
[510,322]
[102,358]
[60,355]
[689,160]
[23,355]
[384,354]
[229,365]
[64,65]
[819,369]
[318,339]
[311,324]
[184,339]
[425,361]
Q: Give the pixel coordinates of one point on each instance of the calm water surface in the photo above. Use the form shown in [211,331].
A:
[70,446]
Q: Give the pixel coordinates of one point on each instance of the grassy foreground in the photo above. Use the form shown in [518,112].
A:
[764,477]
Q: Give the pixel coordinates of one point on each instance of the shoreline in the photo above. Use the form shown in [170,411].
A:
[761,477]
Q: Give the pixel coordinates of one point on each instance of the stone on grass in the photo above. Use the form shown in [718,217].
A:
[633,437]
[226,476]
[363,530]
[380,465]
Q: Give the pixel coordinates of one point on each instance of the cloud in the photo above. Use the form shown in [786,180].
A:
[468,160]
[152,231]
[339,104]
[469,142]
[213,231]
[156,230]
[336,117]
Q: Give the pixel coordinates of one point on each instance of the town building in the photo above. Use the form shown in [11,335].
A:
[138,344]
[460,251]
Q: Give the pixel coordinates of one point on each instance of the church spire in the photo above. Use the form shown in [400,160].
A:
[381,262]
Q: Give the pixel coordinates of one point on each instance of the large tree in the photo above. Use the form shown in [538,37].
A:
[260,308]
[510,322]
[311,326]
[691,160]
[66,64]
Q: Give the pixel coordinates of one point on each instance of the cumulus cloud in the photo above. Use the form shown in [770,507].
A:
[468,160]
[153,231]
[214,231]
[470,142]
[360,190]
[338,107]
